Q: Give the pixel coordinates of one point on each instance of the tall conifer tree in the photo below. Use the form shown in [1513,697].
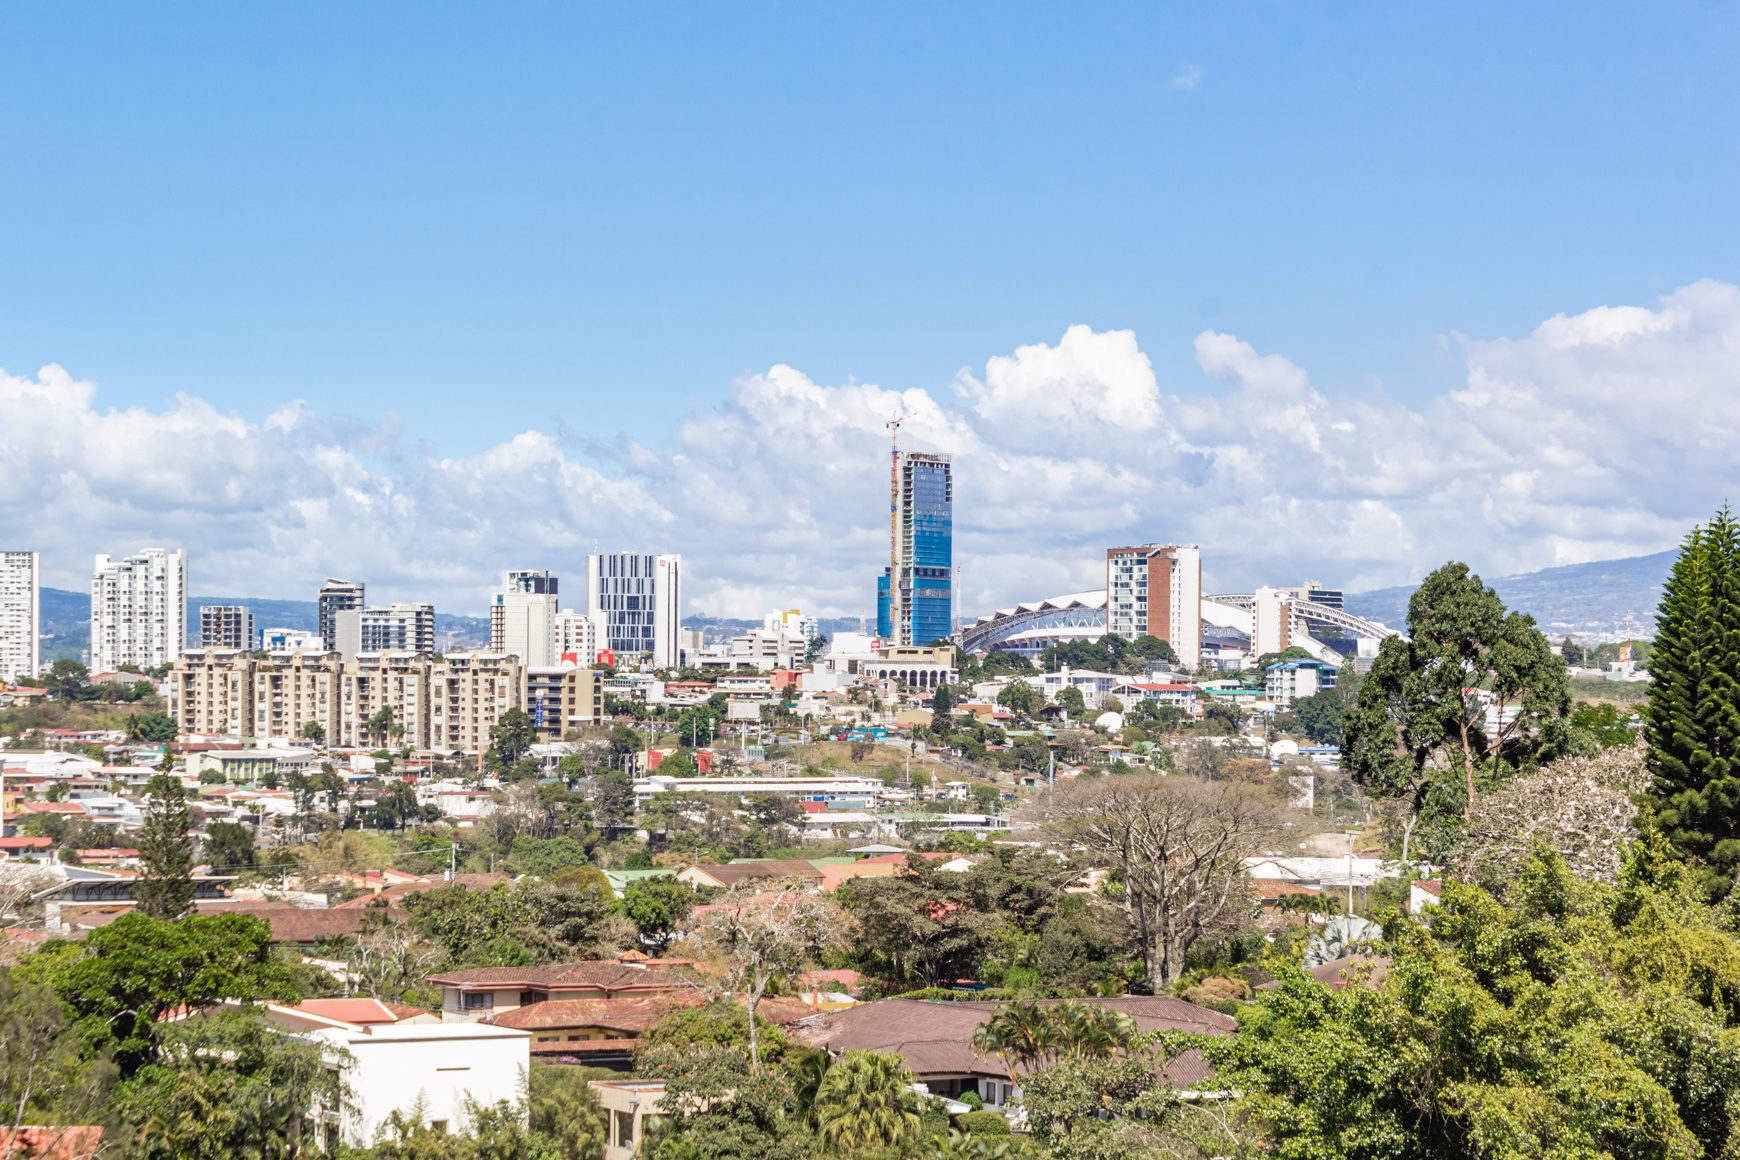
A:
[1692,722]
[164,887]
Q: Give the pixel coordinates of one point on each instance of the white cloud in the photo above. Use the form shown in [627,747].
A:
[1598,435]
[1187,77]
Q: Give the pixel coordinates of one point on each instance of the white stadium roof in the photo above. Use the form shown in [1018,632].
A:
[1027,628]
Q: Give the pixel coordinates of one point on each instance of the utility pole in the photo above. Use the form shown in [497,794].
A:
[1350,839]
[452,862]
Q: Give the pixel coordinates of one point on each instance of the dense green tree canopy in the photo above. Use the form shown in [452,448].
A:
[1420,730]
[1580,1020]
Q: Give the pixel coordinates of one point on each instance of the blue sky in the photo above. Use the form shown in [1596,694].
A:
[590,222]
[583,212]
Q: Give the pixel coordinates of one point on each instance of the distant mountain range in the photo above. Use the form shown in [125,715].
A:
[66,619]
[1592,599]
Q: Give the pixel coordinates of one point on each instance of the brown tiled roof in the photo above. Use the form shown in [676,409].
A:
[737,872]
[634,1015]
[582,1047]
[306,926]
[606,974]
[936,1038]
[1345,972]
[289,924]
[1430,885]
[631,1014]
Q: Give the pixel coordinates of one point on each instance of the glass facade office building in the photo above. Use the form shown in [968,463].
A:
[915,597]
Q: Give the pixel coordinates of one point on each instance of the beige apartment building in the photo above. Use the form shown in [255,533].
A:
[211,690]
[396,681]
[448,703]
[469,692]
[292,690]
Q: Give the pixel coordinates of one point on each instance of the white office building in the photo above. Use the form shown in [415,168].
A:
[574,638]
[138,609]
[636,601]
[522,618]
[20,615]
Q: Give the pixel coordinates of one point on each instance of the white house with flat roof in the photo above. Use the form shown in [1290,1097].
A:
[398,1066]
[835,792]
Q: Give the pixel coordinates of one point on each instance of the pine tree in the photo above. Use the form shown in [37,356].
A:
[1692,723]
[164,887]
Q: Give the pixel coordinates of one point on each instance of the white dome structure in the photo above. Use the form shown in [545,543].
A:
[1109,721]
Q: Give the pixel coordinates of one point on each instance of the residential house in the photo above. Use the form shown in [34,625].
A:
[481,992]
[737,873]
[935,1039]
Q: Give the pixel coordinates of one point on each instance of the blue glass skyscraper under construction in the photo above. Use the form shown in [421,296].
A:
[914,595]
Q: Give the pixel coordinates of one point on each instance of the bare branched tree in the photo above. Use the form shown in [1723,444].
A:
[763,932]
[385,961]
[1581,807]
[1179,845]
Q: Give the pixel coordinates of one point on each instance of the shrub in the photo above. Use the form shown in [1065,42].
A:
[983,1123]
[972,1099]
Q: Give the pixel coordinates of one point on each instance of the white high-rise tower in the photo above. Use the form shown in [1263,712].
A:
[138,609]
[20,615]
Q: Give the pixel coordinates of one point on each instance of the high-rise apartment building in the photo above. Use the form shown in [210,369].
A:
[915,594]
[226,626]
[636,602]
[337,596]
[20,615]
[448,704]
[138,609]
[522,618]
[405,626]
[1156,590]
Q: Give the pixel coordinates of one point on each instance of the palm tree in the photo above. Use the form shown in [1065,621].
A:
[1084,1031]
[1021,1034]
[866,1101]
[807,1078]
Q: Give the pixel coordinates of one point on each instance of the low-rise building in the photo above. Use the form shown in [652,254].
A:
[480,992]
[936,1039]
[561,698]
[1289,683]
[848,793]
[733,874]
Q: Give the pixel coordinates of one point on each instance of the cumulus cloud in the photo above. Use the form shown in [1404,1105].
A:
[1598,435]
[1187,77]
